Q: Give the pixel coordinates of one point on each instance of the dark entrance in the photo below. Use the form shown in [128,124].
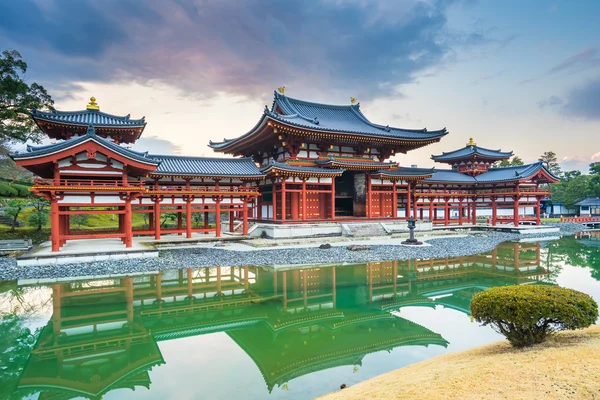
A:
[350,194]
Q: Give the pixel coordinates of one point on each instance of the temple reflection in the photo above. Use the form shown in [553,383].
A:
[104,334]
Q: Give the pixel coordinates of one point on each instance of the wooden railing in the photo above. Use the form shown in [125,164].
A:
[74,183]
[150,188]
[579,219]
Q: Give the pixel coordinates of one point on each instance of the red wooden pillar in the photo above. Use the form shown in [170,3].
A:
[369,200]
[206,222]
[494,211]
[294,207]
[304,217]
[188,218]
[127,223]
[231,222]
[274,199]
[283,210]
[516,210]
[538,210]
[446,211]
[179,221]
[474,211]
[157,219]
[460,211]
[218,216]
[431,216]
[151,221]
[245,218]
[332,198]
[54,225]
[408,202]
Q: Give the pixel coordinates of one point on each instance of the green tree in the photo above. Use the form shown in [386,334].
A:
[79,219]
[516,160]
[16,100]
[550,161]
[594,190]
[13,209]
[40,215]
[572,191]
[570,175]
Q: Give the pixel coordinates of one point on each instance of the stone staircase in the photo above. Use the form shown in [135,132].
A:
[364,229]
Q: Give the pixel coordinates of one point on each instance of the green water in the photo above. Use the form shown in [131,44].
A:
[253,333]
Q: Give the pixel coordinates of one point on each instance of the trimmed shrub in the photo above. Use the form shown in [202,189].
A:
[527,314]
[7,190]
[22,191]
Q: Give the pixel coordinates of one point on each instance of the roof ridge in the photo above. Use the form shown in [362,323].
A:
[199,157]
[515,166]
[86,111]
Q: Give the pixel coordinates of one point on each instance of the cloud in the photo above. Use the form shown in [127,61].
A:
[155,145]
[584,101]
[581,61]
[214,47]
[551,101]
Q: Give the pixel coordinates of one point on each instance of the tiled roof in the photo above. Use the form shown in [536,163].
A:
[505,174]
[300,169]
[352,164]
[449,176]
[39,151]
[512,173]
[588,202]
[347,119]
[87,117]
[469,151]
[206,166]
[407,171]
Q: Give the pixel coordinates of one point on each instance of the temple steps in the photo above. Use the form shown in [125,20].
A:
[365,229]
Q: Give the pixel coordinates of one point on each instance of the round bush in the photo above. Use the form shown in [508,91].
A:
[7,190]
[23,191]
[527,314]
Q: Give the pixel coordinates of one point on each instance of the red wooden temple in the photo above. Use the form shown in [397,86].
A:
[302,162]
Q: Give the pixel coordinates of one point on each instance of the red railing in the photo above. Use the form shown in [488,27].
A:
[74,183]
[183,188]
[579,219]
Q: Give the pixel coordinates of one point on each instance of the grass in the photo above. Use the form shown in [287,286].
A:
[550,219]
[567,366]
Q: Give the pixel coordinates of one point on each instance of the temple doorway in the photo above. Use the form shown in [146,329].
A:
[350,194]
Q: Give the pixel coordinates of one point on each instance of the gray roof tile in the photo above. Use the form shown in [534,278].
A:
[300,168]
[87,117]
[331,118]
[206,166]
[470,151]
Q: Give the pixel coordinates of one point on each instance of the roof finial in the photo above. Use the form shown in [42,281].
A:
[281,89]
[93,105]
[352,100]
[471,142]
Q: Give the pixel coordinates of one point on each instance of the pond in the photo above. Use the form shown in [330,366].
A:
[257,332]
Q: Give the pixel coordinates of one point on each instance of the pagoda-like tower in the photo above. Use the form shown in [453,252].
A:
[324,161]
[472,159]
[68,124]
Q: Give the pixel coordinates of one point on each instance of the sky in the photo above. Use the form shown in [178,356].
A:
[514,75]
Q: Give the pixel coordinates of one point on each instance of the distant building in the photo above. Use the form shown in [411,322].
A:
[589,207]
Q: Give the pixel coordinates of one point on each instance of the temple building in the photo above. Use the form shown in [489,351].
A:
[302,163]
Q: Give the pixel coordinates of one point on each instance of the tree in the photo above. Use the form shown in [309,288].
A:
[79,219]
[572,191]
[570,175]
[16,100]
[13,209]
[516,160]
[550,161]
[40,215]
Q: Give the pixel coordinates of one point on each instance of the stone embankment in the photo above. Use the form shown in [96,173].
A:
[474,243]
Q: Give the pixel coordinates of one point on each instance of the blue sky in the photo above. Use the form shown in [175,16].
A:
[516,75]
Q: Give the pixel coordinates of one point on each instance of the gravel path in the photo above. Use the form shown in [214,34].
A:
[477,242]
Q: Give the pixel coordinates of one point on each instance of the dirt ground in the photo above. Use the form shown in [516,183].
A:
[565,367]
